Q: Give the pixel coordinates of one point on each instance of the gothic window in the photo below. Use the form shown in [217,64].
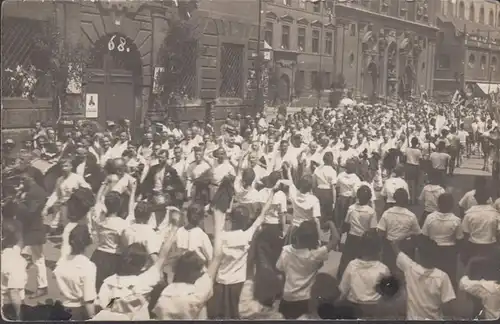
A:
[472,13]
[461,10]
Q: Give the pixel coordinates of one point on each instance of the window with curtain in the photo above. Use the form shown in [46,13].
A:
[472,13]
[285,37]
[268,33]
[301,39]
[315,41]
[328,43]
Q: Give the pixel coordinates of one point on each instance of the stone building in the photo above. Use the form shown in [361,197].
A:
[383,44]
[468,47]
[124,39]
[301,36]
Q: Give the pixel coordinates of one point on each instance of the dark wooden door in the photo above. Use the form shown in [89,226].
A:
[116,94]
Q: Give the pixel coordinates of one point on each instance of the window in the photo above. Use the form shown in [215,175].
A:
[483,62]
[302,4]
[352,29]
[351,59]
[444,62]
[403,9]
[481,15]
[328,43]
[423,65]
[287,2]
[326,80]
[268,34]
[472,60]
[494,63]
[19,36]
[449,8]
[285,37]
[315,80]
[491,18]
[317,6]
[498,19]
[301,39]
[231,71]
[385,7]
[315,41]
[472,13]
[461,10]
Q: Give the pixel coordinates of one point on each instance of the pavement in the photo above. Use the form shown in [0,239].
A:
[458,185]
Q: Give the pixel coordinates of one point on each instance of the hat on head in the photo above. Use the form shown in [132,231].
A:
[110,123]
[9,141]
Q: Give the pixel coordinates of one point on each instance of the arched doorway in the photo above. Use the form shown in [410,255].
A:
[371,76]
[390,70]
[115,74]
[284,88]
[409,78]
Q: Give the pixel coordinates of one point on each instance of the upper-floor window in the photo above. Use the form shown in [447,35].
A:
[328,43]
[472,13]
[285,37]
[352,29]
[481,15]
[483,62]
[384,6]
[461,10]
[302,4]
[315,41]
[491,18]
[493,63]
[287,2]
[231,70]
[301,39]
[317,6]
[268,33]
[449,8]
[472,60]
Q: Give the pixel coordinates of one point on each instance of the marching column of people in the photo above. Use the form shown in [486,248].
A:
[191,225]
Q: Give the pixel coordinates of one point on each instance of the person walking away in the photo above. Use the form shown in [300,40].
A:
[463,136]
[392,184]
[440,161]
[480,226]
[468,200]
[413,157]
[300,263]
[361,217]
[444,228]
[362,277]
[347,184]
[430,194]
[453,149]
[430,292]
[398,223]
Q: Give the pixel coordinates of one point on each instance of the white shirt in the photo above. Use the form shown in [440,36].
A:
[361,218]
[360,279]
[398,223]
[194,239]
[305,206]
[143,234]
[76,279]
[429,196]
[488,292]
[278,205]
[347,184]
[233,267]
[427,289]
[14,274]
[439,160]
[109,232]
[482,223]
[444,229]
[390,187]
[468,200]
[413,156]
[65,188]
[65,247]
[326,177]
[300,267]
[182,301]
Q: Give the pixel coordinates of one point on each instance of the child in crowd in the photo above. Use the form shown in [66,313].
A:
[430,194]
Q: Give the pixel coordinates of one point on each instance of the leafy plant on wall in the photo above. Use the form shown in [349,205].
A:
[64,62]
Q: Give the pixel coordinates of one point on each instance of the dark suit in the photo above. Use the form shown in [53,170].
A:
[172,183]
[93,173]
[29,214]
[36,175]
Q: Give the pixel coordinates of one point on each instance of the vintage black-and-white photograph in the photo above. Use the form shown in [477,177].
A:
[250,160]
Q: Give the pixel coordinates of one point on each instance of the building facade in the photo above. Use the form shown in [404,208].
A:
[300,34]
[385,44]
[124,40]
[468,49]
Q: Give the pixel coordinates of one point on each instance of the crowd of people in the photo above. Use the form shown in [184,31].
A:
[237,224]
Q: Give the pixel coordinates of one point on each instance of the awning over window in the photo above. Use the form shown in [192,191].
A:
[489,88]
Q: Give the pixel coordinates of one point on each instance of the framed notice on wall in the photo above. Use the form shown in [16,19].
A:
[91,105]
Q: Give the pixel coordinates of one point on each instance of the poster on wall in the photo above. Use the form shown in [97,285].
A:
[91,105]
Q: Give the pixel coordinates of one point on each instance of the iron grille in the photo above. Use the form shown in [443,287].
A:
[231,71]
[24,73]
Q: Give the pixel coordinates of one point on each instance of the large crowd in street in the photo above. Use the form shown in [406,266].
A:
[236,223]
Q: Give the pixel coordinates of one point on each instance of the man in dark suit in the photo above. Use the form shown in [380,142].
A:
[29,214]
[85,164]
[162,179]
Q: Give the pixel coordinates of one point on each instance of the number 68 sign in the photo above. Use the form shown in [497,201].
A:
[118,43]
